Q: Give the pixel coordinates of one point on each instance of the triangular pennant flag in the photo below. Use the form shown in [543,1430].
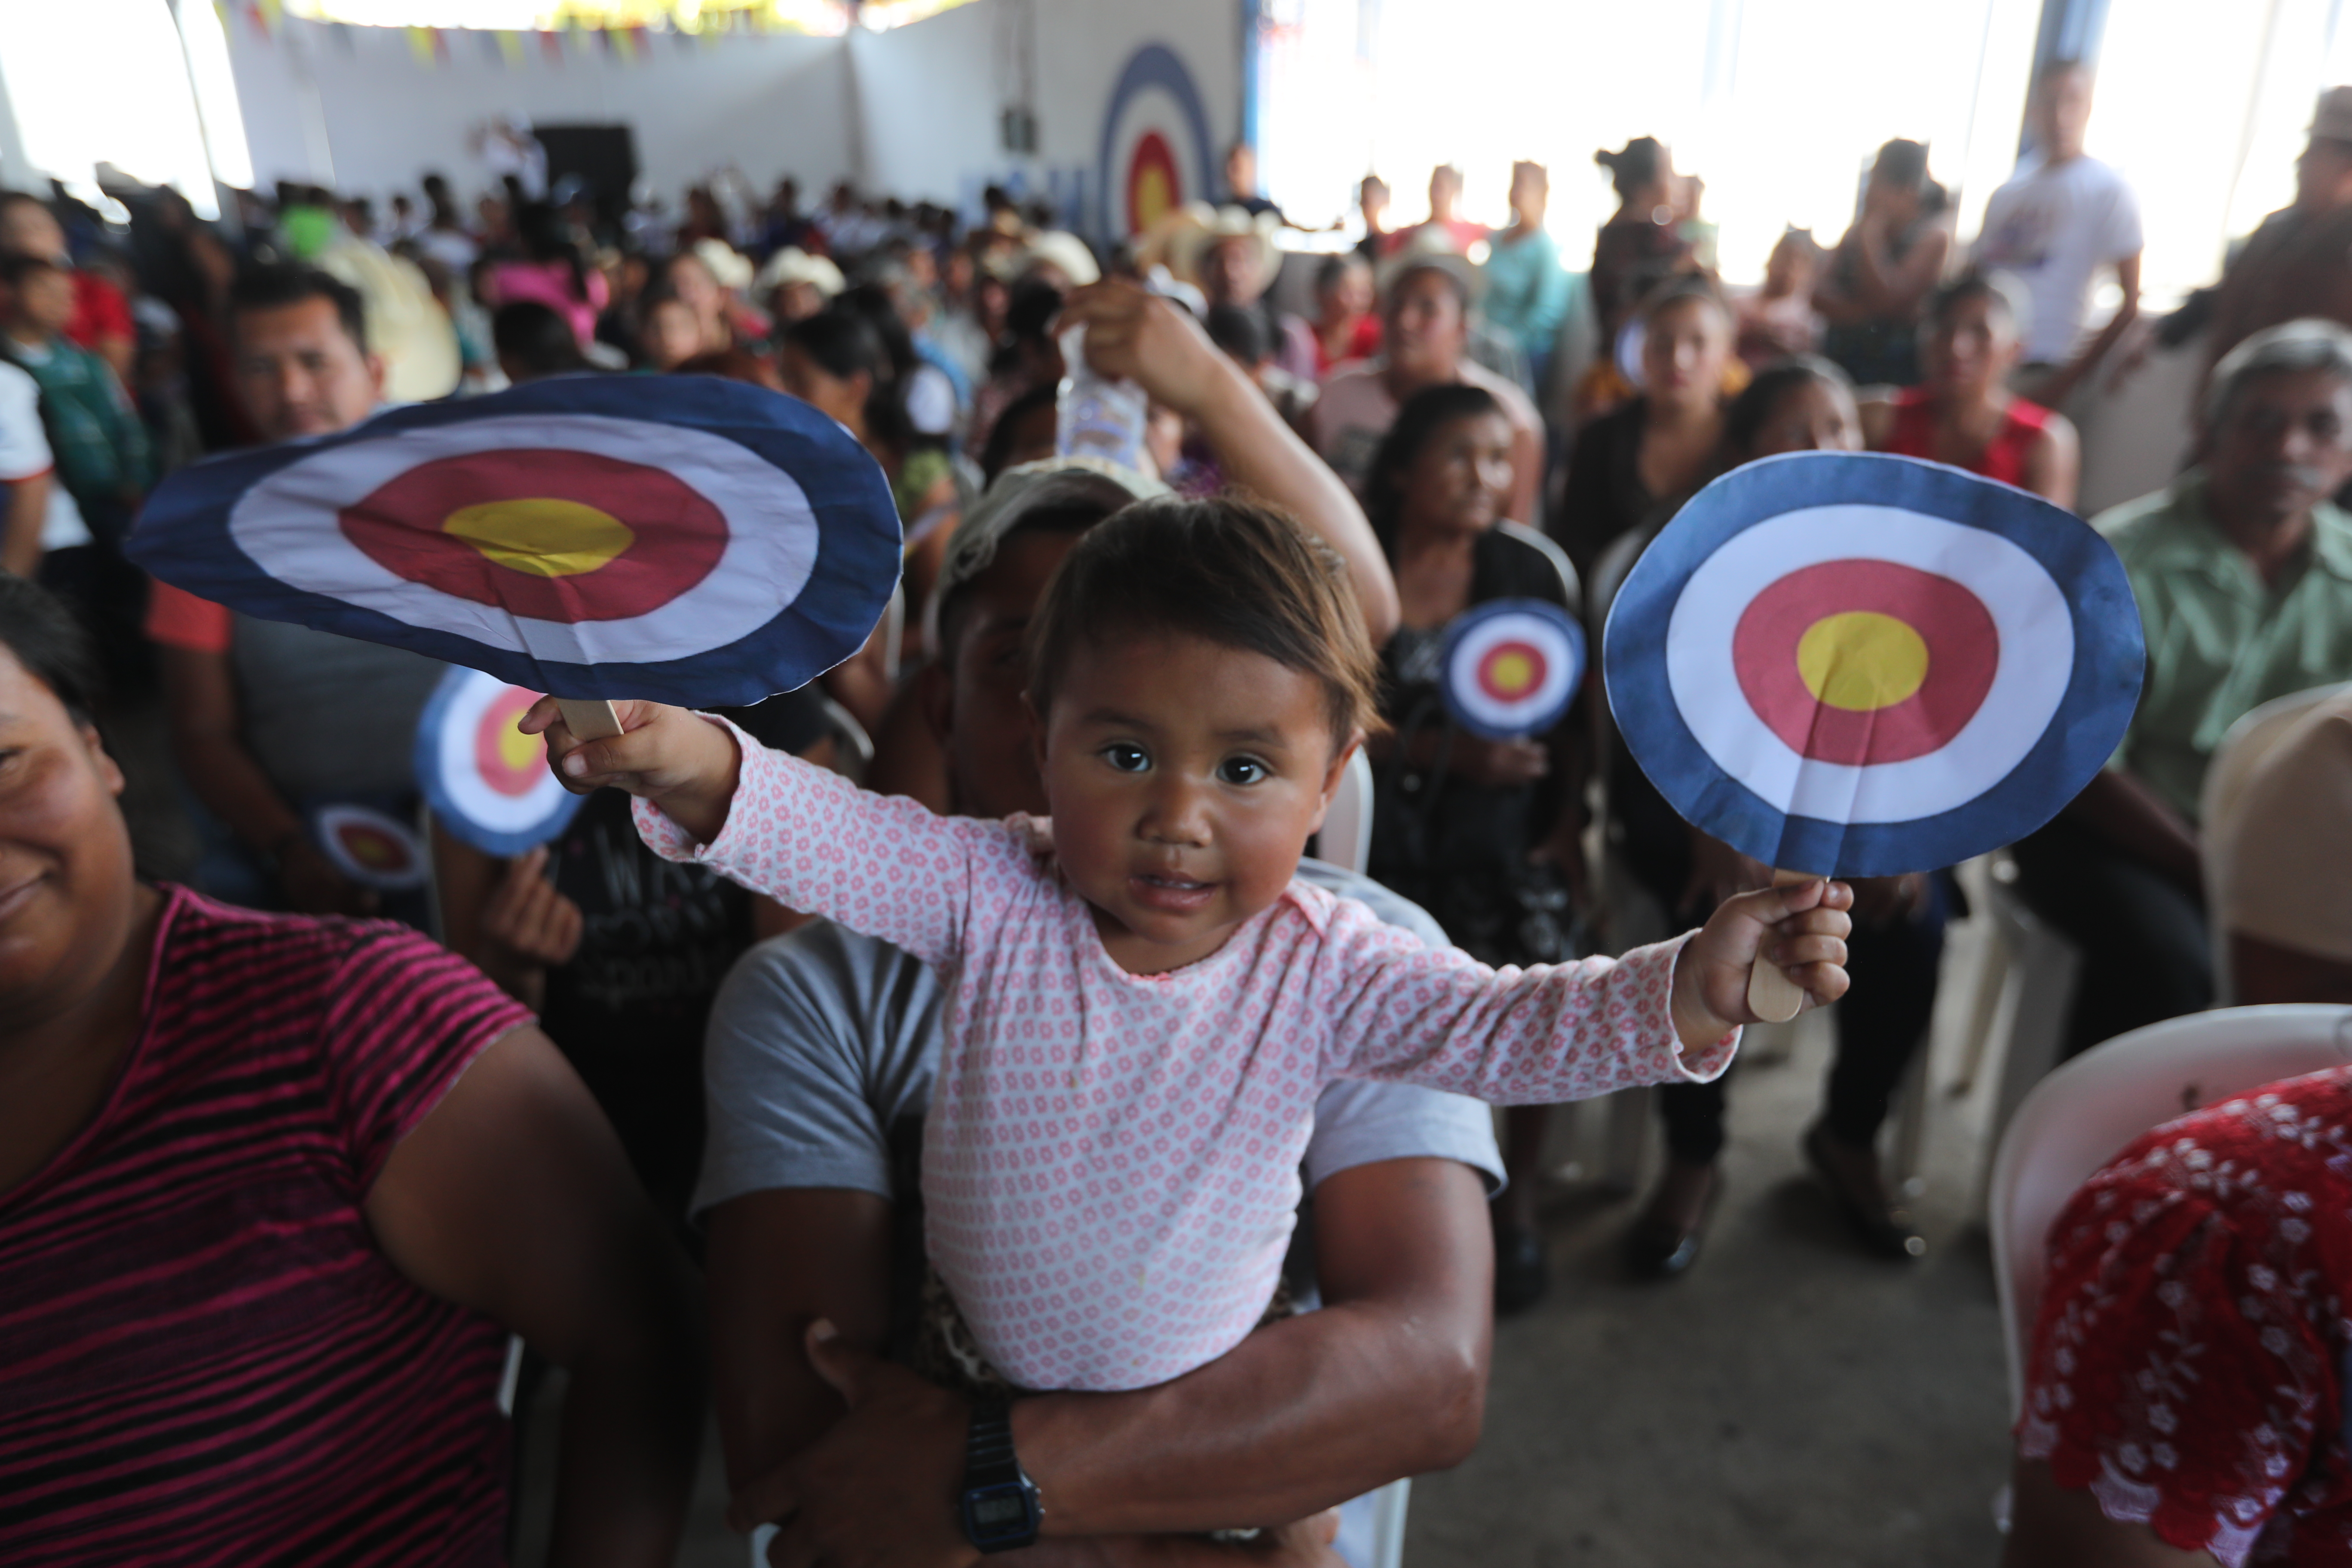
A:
[421,47]
[509,47]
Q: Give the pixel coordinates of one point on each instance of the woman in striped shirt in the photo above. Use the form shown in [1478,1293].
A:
[273,1190]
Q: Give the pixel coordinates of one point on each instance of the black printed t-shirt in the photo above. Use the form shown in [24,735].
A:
[657,939]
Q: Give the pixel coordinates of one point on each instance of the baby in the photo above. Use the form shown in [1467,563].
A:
[1144,1001]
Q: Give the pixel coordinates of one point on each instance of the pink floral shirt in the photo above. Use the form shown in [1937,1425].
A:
[1111,1163]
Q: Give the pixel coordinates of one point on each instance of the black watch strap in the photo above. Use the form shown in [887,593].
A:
[987,1457]
[1000,1508]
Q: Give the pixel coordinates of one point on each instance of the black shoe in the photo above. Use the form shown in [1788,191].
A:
[1522,1275]
[1657,1248]
[1883,1232]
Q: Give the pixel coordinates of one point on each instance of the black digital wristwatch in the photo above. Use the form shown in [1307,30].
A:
[1000,1508]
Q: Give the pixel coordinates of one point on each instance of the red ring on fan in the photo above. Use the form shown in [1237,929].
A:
[680,535]
[491,732]
[1963,654]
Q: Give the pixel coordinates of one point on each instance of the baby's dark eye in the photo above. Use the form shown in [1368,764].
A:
[1126,758]
[1242,771]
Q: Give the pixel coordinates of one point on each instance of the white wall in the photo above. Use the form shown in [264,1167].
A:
[772,104]
[912,112]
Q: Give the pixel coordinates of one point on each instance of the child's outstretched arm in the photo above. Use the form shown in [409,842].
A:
[682,763]
[1571,1031]
[776,825]
[1801,927]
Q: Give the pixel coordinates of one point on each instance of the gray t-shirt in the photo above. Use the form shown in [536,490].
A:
[318,708]
[822,1052]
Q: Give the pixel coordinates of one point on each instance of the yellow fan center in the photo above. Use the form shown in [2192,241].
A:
[1861,660]
[541,534]
[517,750]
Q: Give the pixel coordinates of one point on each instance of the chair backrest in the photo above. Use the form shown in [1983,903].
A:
[2083,1114]
[856,747]
[2243,748]
[1571,591]
[1610,571]
[1346,839]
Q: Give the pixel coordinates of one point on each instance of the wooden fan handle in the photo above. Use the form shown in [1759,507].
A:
[1771,994]
[588,719]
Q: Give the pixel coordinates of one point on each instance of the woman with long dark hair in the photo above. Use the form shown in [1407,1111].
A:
[1482,833]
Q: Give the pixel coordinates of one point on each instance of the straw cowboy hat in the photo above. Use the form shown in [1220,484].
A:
[1189,244]
[1426,250]
[1063,250]
[793,265]
[728,266]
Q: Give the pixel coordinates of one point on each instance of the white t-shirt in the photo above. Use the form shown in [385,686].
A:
[2054,228]
[24,454]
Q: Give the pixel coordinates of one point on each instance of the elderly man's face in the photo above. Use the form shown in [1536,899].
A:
[2284,444]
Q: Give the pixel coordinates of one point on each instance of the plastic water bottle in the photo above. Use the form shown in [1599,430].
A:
[1095,416]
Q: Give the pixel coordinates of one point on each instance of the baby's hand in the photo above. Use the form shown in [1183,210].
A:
[1801,927]
[671,756]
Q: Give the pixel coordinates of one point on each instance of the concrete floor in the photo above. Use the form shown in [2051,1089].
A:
[1789,1402]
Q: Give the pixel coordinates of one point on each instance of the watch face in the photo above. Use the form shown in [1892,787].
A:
[1000,1515]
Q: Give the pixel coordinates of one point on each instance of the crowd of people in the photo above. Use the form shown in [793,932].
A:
[275,1182]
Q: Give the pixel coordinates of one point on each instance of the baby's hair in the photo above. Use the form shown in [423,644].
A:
[1231,571]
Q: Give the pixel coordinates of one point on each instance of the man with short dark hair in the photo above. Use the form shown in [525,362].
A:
[2061,219]
[2242,571]
[270,721]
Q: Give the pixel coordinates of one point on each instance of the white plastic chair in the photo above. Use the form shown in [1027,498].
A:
[854,746]
[2083,1115]
[1346,839]
[2243,748]
[2038,969]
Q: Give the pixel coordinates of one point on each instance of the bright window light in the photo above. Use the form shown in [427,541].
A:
[1779,105]
[104,82]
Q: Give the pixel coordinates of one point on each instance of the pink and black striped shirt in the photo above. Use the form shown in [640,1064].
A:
[204,1357]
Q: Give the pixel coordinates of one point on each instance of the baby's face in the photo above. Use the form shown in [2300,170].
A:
[1185,778]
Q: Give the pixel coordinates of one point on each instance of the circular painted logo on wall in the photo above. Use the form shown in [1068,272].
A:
[1155,142]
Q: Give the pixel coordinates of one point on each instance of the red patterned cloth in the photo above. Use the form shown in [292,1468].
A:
[2189,1362]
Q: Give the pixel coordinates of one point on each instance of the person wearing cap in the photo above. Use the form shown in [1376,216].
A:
[819,1069]
[1427,296]
[2298,264]
[1231,257]
[2242,571]
[2062,219]
[2284,897]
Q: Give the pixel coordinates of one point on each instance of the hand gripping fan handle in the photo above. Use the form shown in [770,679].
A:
[589,720]
[1771,994]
